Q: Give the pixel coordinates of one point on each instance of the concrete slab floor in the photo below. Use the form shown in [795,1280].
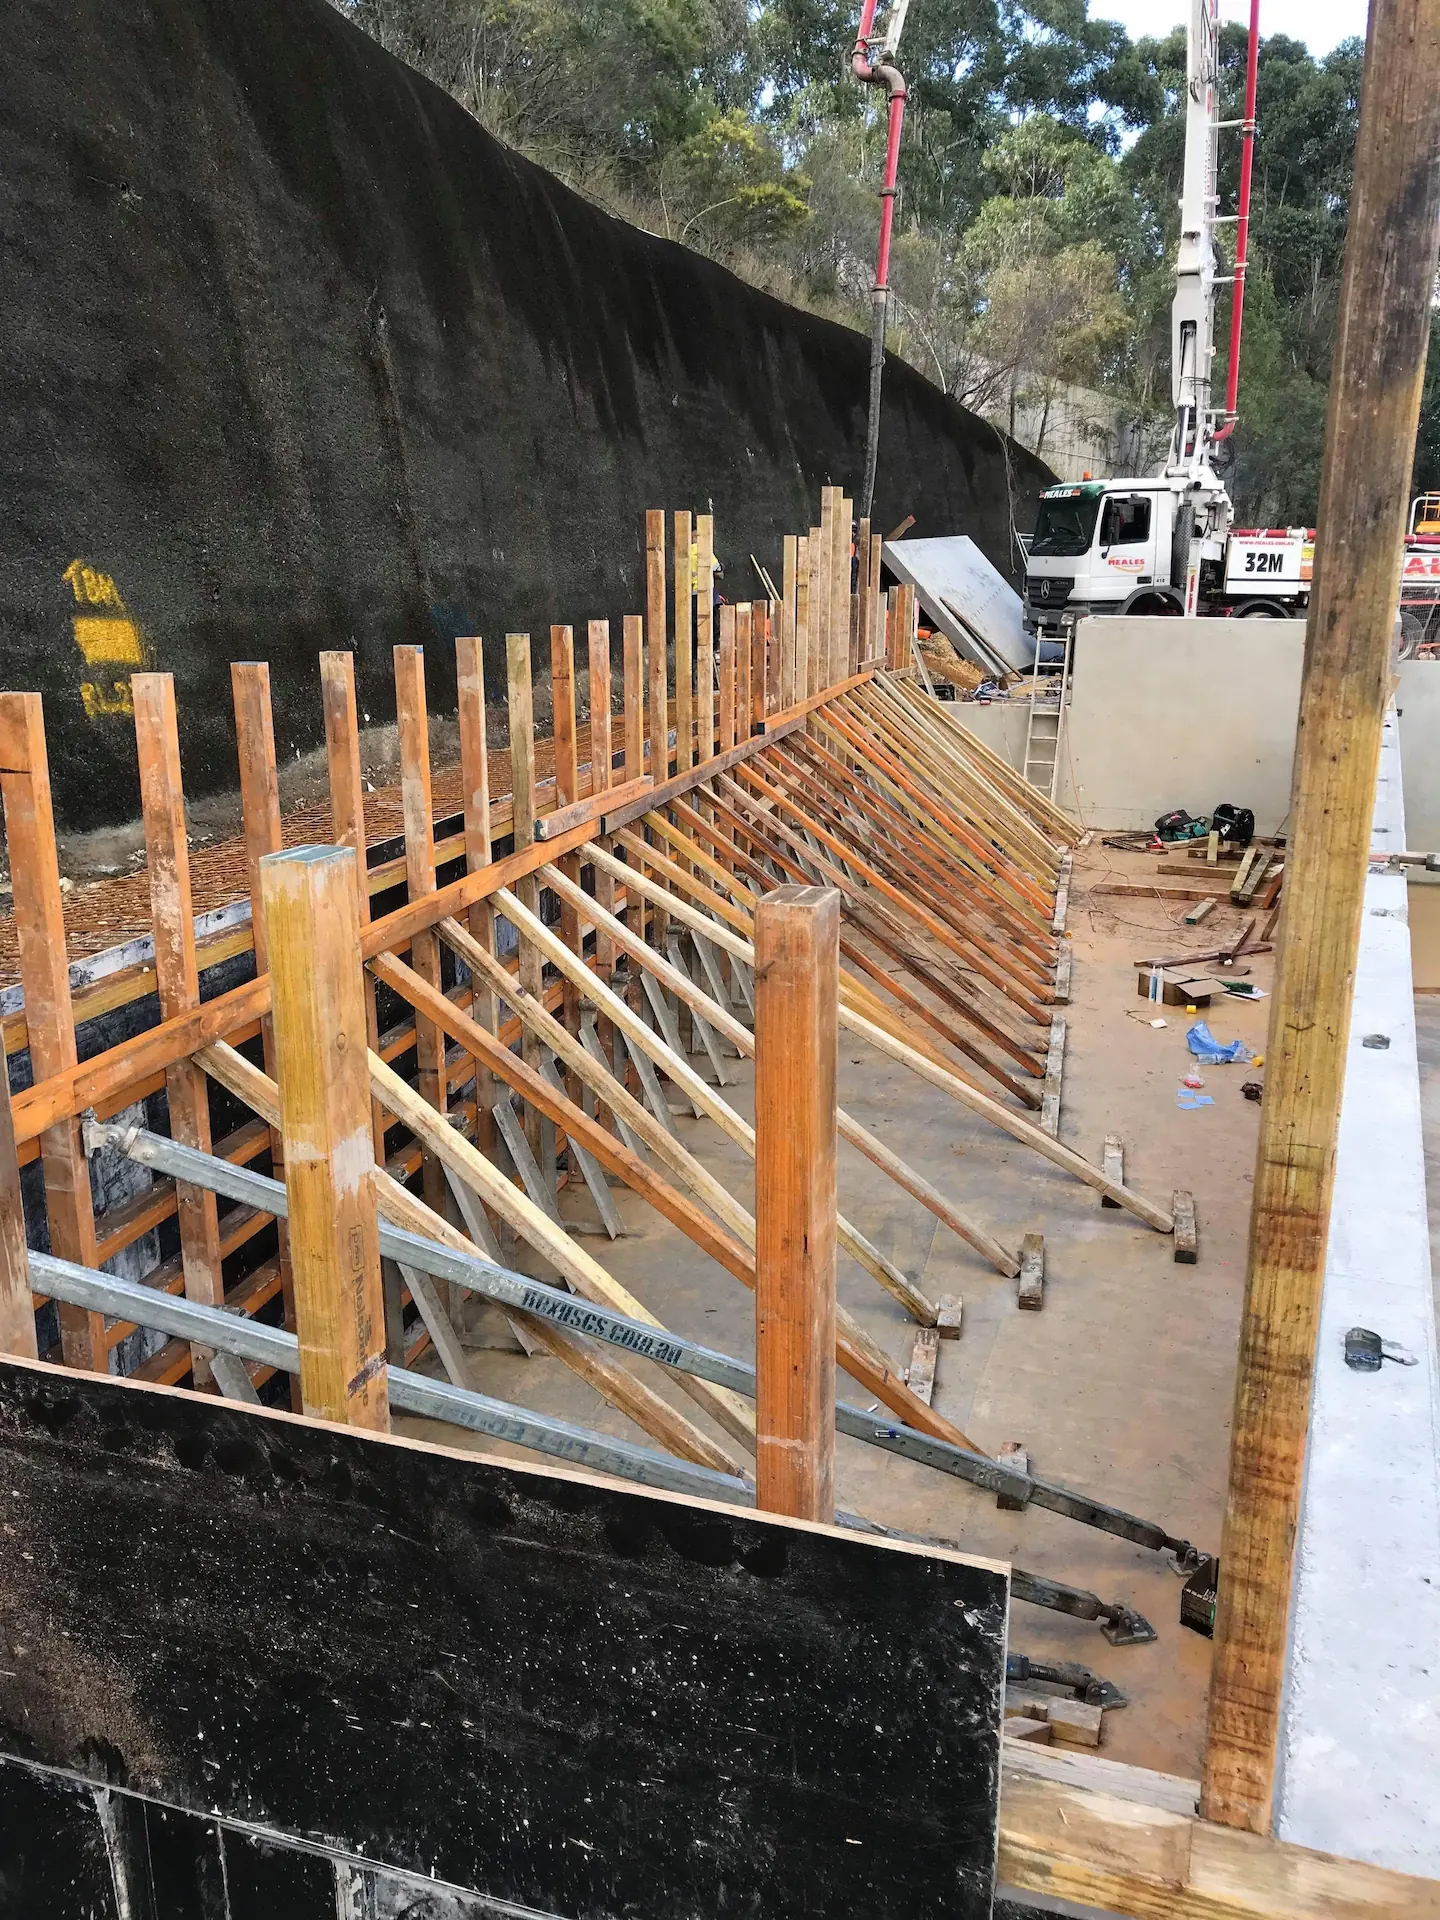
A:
[1121,1387]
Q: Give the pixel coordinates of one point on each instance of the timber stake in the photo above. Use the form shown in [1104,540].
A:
[1384,331]
[797,961]
[318,1003]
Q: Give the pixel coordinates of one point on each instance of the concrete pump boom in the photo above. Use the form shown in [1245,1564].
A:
[1192,312]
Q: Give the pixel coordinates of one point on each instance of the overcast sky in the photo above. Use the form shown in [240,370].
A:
[1321,24]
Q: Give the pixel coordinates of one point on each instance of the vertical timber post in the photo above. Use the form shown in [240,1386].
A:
[684,647]
[177,979]
[567,791]
[801,684]
[767,694]
[347,816]
[728,620]
[49,1018]
[840,591]
[520,704]
[905,626]
[1378,366]
[744,649]
[632,705]
[789,623]
[318,1007]
[260,816]
[602,756]
[475,809]
[764,664]
[632,721]
[797,953]
[412,723]
[656,661]
[863,616]
[17,1309]
[825,568]
[705,633]
[601,743]
[655,642]
[876,641]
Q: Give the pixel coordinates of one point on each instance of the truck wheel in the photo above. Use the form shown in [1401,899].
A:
[1261,610]
[1153,600]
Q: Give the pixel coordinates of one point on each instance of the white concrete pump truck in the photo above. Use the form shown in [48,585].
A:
[1165,544]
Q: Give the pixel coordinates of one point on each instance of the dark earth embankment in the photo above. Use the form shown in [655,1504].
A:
[294,356]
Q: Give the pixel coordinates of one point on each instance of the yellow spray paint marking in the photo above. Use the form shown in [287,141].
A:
[101,701]
[110,641]
[90,587]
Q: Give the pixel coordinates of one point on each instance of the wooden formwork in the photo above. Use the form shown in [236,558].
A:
[542,975]
[796,750]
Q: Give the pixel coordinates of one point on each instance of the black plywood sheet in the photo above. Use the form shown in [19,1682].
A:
[72,1851]
[53,1859]
[581,1699]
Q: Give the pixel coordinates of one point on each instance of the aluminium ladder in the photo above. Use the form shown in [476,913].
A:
[1045,722]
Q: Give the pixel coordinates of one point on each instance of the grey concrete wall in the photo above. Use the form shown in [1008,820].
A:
[1417,702]
[999,723]
[1186,713]
[1172,713]
[1182,713]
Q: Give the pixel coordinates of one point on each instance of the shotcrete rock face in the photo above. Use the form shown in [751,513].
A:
[294,356]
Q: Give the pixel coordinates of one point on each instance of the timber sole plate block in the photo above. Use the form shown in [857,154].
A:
[1114,1165]
[1030,1286]
[924,1354]
[1076,1827]
[1187,1239]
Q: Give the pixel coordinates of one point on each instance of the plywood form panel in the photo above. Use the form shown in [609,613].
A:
[652,1707]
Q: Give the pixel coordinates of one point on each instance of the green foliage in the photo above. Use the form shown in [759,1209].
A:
[1307,112]
[1040,178]
[733,178]
[1040,259]
[601,90]
[1275,480]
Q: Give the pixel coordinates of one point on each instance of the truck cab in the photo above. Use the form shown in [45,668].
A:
[1099,546]
[1157,545]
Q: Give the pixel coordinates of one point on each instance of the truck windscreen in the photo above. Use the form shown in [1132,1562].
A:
[1065,528]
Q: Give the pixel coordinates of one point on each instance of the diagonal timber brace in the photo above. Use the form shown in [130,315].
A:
[414,1252]
[215,1328]
[683,1074]
[731,1029]
[395,1203]
[855,1351]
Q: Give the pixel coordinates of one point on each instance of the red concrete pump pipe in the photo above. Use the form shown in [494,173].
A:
[1242,226]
